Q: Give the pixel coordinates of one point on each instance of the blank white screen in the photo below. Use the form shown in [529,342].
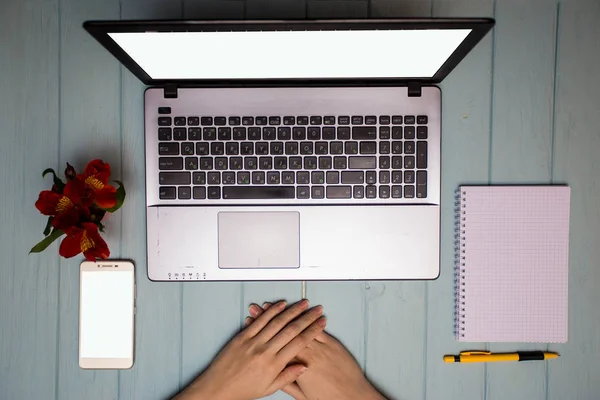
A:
[106,314]
[291,54]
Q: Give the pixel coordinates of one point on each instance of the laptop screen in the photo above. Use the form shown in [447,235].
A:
[415,53]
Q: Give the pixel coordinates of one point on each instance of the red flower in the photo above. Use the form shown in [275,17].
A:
[96,176]
[67,208]
[86,239]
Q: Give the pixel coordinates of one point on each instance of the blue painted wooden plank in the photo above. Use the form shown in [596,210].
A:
[28,145]
[466,94]
[337,9]
[576,149]
[90,128]
[156,372]
[275,9]
[400,8]
[214,9]
[521,142]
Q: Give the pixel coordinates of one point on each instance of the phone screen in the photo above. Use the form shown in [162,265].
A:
[106,325]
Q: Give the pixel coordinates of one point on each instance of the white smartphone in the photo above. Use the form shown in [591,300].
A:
[106,314]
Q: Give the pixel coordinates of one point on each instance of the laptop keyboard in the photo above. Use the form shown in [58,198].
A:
[292,157]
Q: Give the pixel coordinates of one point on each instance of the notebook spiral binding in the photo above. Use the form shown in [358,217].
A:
[459,263]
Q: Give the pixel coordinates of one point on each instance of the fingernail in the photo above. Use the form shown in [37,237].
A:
[322,321]
[303,303]
[253,309]
[265,304]
[302,370]
[281,304]
[247,321]
[318,310]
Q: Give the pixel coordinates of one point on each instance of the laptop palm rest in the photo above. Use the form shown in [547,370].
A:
[259,239]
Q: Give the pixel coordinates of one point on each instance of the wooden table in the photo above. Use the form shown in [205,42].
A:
[524,107]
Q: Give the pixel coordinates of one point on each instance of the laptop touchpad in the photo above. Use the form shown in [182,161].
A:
[259,239]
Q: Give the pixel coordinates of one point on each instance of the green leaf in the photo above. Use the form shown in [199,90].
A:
[101,227]
[41,246]
[59,184]
[48,226]
[120,198]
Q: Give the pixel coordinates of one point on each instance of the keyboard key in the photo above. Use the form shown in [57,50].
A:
[170,163]
[276,148]
[314,133]
[421,155]
[409,132]
[250,163]
[396,132]
[384,132]
[325,162]
[168,149]
[397,162]
[384,177]
[180,121]
[232,148]
[179,134]
[235,163]
[422,119]
[353,177]
[194,134]
[371,177]
[344,120]
[288,177]
[384,192]
[303,192]
[340,162]
[221,163]
[336,148]
[165,134]
[209,133]
[187,148]
[302,120]
[343,133]
[206,163]
[199,192]
[234,121]
[421,178]
[291,148]
[217,148]
[409,191]
[317,178]
[409,119]
[409,147]
[299,133]
[384,147]
[397,147]
[174,178]
[206,121]
[421,191]
[306,148]
[261,120]
[358,192]
[316,120]
[167,193]
[191,163]
[368,147]
[202,149]
[243,178]
[310,162]
[384,120]
[332,177]
[370,120]
[371,192]
[409,162]
[214,178]
[289,120]
[254,133]
[261,148]
[247,121]
[269,133]
[302,177]
[258,178]
[397,192]
[339,192]
[357,120]
[321,148]
[351,147]
[258,192]
[317,192]
[164,121]
[214,192]
[396,176]
[280,163]
[220,121]
[224,133]
[421,132]
[384,162]
[199,178]
[396,119]
[284,133]
[239,133]
[273,178]
[164,110]
[193,121]
[247,149]
[364,133]
[274,120]
[329,120]
[295,162]
[328,133]
[357,162]
[228,178]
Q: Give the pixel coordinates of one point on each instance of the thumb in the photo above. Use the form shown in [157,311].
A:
[287,376]
[294,390]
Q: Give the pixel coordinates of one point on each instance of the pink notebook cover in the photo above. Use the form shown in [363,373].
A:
[512,263]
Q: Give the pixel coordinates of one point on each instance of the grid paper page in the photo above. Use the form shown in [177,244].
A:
[516,263]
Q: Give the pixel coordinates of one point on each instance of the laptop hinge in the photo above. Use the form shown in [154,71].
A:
[170,91]
[414,89]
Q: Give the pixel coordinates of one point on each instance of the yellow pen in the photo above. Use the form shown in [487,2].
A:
[487,356]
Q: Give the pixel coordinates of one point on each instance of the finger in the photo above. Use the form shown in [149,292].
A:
[294,390]
[280,321]
[295,328]
[264,319]
[286,377]
[248,321]
[299,343]
[323,337]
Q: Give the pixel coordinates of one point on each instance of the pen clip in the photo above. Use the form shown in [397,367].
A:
[474,353]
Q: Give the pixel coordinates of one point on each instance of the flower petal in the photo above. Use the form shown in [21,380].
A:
[99,169]
[48,202]
[106,197]
[71,245]
[99,248]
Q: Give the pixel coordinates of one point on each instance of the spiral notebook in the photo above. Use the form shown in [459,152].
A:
[512,263]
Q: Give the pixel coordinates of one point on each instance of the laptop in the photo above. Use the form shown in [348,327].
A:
[292,150]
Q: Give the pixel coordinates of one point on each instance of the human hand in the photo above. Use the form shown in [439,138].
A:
[256,362]
[332,371]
